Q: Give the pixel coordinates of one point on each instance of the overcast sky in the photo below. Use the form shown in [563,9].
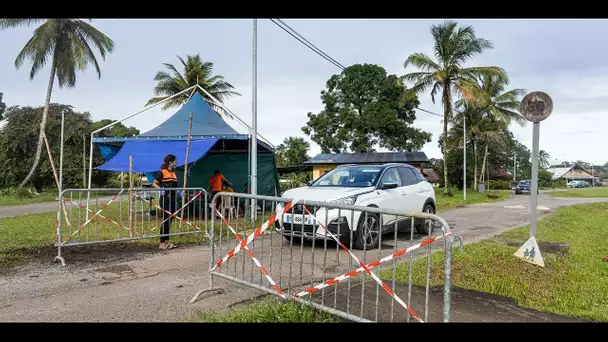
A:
[565,58]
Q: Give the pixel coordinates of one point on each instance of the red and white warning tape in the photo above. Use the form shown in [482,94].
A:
[369,266]
[372,274]
[168,212]
[100,215]
[182,208]
[93,216]
[255,233]
[255,260]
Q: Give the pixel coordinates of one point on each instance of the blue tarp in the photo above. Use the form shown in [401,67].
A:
[205,121]
[148,155]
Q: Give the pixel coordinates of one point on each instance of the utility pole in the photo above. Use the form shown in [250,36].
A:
[464,162]
[514,167]
[254,122]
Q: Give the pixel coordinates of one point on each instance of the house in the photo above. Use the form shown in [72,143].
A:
[570,172]
[327,161]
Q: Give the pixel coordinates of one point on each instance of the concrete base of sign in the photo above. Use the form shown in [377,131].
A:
[559,248]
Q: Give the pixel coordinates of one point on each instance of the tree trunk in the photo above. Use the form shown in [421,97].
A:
[45,113]
[447,109]
[483,165]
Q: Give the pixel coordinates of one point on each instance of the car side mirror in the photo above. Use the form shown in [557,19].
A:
[389,185]
[309,183]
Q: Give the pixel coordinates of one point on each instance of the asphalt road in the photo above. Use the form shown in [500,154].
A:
[158,286]
[37,208]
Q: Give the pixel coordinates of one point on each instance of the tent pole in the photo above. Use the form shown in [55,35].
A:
[186,165]
[254,122]
[131,196]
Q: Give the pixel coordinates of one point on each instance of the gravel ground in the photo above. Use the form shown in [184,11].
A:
[157,285]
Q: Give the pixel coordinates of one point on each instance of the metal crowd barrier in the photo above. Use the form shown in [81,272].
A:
[95,216]
[351,273]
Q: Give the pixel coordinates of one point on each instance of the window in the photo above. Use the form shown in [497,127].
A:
[408,177]
[391,176]
[349,176]
[418,174]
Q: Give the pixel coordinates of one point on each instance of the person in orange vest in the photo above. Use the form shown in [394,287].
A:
[167,178]
[216,184]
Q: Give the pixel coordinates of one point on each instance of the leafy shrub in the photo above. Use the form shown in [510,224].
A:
[500,185]
[23,193]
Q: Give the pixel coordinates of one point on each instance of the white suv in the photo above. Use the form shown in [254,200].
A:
[389,186]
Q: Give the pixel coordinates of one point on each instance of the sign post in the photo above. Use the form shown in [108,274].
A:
[535,107]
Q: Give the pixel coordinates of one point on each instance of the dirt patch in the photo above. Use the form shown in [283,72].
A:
[78,256]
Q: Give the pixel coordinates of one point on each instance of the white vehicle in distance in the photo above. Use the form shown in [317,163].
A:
[389,186]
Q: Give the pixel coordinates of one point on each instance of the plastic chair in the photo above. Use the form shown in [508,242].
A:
[228,206]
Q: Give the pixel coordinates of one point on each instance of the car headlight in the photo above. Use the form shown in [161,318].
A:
[346,200]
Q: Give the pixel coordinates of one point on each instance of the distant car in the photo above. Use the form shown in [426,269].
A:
[389,186]
[524,186]
[578,184]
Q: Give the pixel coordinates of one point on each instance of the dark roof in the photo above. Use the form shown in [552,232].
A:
[368,158]
[293,169]
[430,175]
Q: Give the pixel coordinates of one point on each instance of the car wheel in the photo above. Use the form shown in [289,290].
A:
[423,228]
[518,192]
[368,232]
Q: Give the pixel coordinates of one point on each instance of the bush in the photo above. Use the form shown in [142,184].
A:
[500,185]
[23,193]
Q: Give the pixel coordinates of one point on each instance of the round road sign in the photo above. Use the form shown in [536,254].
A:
[536,106]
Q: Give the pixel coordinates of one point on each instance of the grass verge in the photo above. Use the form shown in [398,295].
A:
[575,284]
[30,237]
[599,192]
[266,311]
[444,202]
[12,200]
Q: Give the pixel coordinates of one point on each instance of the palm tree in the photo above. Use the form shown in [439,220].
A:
[453,47]
[195,71]
[480,128]
[543,158]
[489,113]
[69,43]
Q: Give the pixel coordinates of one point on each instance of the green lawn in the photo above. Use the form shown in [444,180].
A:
[574,285]
[444,202]
[267,311]
[28,237]
[7,200]
[596,192]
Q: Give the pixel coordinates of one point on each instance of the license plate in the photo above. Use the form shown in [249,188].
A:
[295,219]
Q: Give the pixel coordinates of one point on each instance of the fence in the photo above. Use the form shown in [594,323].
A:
[94,216]
[334,256]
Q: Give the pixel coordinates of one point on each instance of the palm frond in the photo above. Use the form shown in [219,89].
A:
[12,23]
[421,61]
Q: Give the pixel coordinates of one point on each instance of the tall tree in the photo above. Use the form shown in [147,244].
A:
[195,70]
[543,159]
[453,47]
[292,152]
[2,106]
[365,107]
[480,129]
[118,130]
[18,144]
[69,44]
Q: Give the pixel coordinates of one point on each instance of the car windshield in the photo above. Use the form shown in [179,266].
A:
[525,182]
[350,177]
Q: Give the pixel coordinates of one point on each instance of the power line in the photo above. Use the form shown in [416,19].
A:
[305,41]
[320,52]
